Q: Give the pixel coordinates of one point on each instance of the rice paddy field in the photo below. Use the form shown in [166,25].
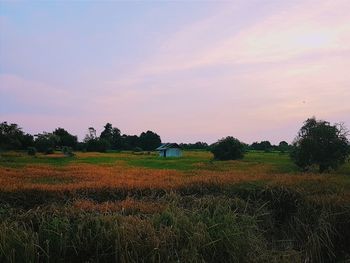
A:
[138,207]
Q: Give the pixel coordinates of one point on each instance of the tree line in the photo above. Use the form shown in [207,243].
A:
[318,143]
[13,138]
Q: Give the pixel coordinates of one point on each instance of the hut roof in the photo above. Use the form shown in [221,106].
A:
[165,146]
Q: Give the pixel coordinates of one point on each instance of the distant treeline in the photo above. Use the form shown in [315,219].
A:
[13,138]
[265,146]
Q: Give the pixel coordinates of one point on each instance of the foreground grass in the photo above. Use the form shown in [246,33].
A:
[122,207]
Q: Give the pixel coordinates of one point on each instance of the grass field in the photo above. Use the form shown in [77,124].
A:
[125,207]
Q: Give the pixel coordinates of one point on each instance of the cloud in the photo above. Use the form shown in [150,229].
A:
[241,71]
[308,28]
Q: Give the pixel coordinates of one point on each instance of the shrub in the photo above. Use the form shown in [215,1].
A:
[67,151]
[31,151]
[97,145]
[49,150]
[137,149]
[228,148]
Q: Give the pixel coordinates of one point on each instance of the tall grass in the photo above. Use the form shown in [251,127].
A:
[232,212]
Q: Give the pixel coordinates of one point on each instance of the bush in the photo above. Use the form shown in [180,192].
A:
[320,144]
[228,148]
[137,149]
[31,151]
[67,151]
[97,145]
[49,150]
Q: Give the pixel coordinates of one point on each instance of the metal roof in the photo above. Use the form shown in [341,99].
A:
[165,146]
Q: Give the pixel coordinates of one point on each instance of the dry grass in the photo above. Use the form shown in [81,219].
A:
[88,176]
[126,206]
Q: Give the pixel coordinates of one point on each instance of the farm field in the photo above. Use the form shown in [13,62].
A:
[135,207]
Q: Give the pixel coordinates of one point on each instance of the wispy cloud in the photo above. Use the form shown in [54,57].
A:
[255,72]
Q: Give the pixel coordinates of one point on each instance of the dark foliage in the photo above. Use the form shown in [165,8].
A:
[13,138]
[113,136]
[283,146]
[67,151]
[321,144]
[149,141]
[46,142]
[97,145]
[261,146]
[130,142]
[31,151]
[64,138]
[195,146]
[228,148]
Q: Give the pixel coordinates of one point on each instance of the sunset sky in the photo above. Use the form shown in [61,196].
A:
[190,71]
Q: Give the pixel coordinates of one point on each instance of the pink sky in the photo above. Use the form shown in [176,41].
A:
[188,71]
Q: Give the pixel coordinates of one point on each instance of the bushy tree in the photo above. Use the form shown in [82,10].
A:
[112,135]
[65,138]
[283,146]
[149,141]
[46,142]
[321,144]
[130,142]
[228,148]
[13,138]
[31,151]
[261,146]
[195,146]
[94,143]
[67,151]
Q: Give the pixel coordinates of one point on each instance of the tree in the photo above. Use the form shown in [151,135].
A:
[46,142]
[149,141]
[283,146]
[261,146]
[130,142]
[65,138]
[107,132]
[112,135]
[195,146]
[228,148]
[321,144]
[13,138]
[91,134]
[94,143]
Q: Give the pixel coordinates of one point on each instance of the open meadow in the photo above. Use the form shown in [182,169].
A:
[138,207]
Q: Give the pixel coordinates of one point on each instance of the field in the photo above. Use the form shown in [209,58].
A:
[135,207]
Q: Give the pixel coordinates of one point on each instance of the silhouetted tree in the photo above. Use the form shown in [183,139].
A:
[46,142]
[194,146]
[149,141]
[228,148]
[13,138]
[130,142]
[94,143]
[322,144]
[261,146]
[65,138]
[283,146]
[107,132]
[112,135]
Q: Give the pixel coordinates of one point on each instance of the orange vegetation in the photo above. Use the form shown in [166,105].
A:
[88,176]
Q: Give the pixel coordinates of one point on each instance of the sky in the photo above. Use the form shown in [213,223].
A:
[188,70]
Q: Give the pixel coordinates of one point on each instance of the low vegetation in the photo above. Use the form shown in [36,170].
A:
[128,207]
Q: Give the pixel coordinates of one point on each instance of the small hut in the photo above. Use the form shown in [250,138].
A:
[169,150]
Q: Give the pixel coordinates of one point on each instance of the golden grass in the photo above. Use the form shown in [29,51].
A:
[89,176]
